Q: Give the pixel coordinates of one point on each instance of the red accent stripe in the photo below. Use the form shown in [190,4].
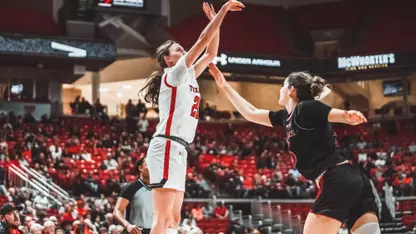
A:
[167,158]
[166,82]
[168,127]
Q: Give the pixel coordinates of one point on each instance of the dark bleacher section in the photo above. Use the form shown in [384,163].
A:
[332,15]
[26,21]
[254,30]
[393,29]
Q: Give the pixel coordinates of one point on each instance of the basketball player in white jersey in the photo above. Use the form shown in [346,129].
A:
[176,93]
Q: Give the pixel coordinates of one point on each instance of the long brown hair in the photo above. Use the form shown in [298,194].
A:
[152,86]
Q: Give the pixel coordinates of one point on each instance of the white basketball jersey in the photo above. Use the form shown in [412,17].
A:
[178,102]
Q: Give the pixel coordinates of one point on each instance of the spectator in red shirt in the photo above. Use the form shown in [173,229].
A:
[81,210]
[67,215]
[221,211]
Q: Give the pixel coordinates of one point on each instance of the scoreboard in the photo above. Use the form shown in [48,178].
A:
[138,7]
[122,3]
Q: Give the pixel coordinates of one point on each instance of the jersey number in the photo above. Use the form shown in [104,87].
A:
[195,107]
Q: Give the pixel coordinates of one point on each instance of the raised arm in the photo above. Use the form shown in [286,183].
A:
[251,113]
[210,31]
[212,49]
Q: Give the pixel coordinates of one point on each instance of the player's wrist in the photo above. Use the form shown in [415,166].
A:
[126,225]
[224,8]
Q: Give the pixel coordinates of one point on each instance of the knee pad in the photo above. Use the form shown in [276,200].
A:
[368,228]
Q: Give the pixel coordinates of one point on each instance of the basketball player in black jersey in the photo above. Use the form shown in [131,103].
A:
[344,192]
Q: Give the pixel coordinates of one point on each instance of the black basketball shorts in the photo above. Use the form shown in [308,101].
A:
[345,195]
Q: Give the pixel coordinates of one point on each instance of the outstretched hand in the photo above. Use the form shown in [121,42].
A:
[217,74]
[355,117]
[209,10]
[234,5]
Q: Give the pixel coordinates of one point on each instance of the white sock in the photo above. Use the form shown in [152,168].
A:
[368,228]
[172,231]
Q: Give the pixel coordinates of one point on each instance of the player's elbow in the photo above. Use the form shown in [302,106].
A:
[212,54]
[250,116]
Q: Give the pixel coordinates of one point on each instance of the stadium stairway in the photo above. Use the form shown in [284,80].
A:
[395,226]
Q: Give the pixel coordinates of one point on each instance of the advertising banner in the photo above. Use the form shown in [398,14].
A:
[275,65]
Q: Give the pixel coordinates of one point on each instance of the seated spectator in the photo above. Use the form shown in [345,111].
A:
[361,144]
[41,203]
[23,162]
[207,210]
[187,224]
[110,163]
[126,147]
[380,162]
[13,195]
[221,211]
[67,215]
[292,186]
[85,155]
[49,227]
[56,151]
[73,141]
[295,173]
[197,212]
[407,185]
[101,202]
[36,228]
[362,156]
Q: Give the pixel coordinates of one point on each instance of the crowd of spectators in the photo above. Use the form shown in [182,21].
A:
[126,141]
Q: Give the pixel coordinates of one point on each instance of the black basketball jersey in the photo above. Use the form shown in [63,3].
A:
[312,142]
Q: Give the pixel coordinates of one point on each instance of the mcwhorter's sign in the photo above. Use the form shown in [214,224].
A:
[355,63]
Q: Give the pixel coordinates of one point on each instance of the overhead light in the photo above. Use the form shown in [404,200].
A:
[119,95]
[67,86]
[127,87]
[104,90]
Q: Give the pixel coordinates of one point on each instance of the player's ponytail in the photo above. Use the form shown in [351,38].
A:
[307,87]
[152,86]
[317,86]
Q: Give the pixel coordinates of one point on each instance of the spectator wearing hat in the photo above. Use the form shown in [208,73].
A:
[10,219]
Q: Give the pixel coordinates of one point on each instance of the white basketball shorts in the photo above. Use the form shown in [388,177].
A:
[166,160]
